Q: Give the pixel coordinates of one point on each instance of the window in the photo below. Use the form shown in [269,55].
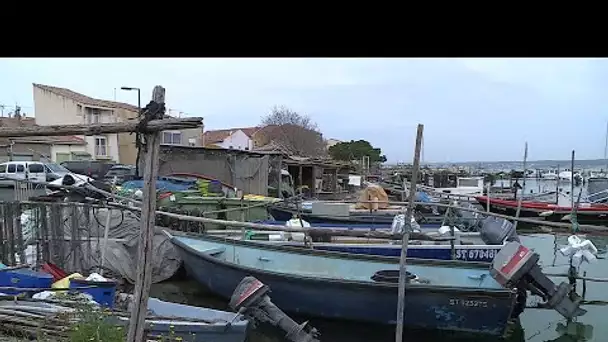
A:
[20,168]
[101,146]
[3,168]
[79,110]
[93,115]
[172,138]
[11,168]
[35,168]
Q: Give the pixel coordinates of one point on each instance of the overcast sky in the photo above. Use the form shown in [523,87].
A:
[472,109]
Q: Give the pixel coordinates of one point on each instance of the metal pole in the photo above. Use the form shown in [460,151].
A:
[138,101]
[406,237]
[137,157]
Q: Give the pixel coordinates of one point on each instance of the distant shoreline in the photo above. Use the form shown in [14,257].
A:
[600,163]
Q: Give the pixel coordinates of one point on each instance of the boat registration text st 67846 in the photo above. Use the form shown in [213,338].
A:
[476,254]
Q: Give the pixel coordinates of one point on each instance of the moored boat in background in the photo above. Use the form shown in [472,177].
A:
[587,213]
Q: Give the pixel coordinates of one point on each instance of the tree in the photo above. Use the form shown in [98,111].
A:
[355,150]
[295,133]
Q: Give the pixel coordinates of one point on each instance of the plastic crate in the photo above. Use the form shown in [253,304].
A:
[103,291]
[24,278]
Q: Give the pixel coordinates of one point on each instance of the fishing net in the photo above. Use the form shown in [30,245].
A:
[78,240]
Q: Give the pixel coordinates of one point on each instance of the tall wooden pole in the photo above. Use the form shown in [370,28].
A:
[146,235]
[406,237]
[523,188]
[572,180]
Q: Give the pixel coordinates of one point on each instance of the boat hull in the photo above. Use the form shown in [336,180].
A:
[597,215]
[476,253]
[365,220]
[431,307]
[433,252]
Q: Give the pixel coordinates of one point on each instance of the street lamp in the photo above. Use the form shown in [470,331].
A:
[138,114]
[138,97]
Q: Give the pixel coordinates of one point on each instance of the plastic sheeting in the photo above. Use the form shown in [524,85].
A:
[122,246]
[373,192]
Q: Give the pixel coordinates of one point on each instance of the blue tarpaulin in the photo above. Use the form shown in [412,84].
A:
[422,197]
[160,185]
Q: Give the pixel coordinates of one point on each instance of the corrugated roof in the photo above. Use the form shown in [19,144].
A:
[85,100]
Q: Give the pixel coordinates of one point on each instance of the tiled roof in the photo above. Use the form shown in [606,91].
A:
[17,122]
[215,136]
[85,100]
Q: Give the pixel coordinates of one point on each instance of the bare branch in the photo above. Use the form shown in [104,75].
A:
[293,131]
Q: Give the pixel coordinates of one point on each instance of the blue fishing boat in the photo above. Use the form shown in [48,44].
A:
[472,253]
[190,323]
[446,295]
[481,246]
[355,218]
[165,321]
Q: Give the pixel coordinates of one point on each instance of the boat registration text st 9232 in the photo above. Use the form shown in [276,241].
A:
[476,254]
[469,303]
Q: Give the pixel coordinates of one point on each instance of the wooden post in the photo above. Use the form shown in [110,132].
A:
[406,237]
[279,171]
[523,188]
[336,181]
[488,197]
[572,181]
[557,187]
[148,208]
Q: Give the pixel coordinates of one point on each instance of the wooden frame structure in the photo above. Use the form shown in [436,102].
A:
[150,125]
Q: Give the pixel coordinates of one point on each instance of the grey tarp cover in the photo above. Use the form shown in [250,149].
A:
[121,252]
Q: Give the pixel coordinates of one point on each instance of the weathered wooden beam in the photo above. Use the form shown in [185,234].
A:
[95,129]
[143,279]
[406,238]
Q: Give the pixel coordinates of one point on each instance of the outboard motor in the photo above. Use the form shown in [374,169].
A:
[495,231]
[517,266]
[251,298]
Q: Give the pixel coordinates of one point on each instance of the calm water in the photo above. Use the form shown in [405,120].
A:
[536,324]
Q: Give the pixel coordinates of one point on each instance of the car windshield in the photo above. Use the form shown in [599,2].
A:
[56,168]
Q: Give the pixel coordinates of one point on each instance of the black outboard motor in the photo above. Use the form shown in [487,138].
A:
[516,266]
[251,298]
[495,231]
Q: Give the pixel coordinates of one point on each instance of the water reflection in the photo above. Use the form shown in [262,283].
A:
[573,332]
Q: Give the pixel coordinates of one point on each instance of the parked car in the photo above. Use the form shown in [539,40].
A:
[22,170]
[93,168]
[56,171]
[33,171]
[119,174]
